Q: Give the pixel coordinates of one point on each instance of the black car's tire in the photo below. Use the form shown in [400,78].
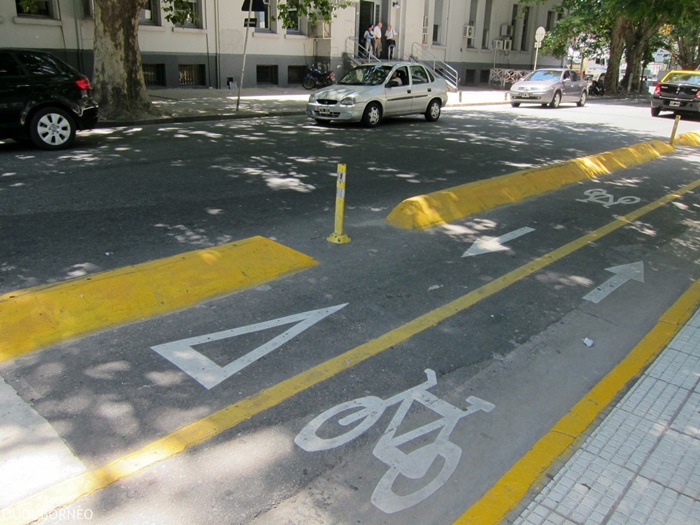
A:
[372,115]
[432,113]
[655,112]
[52,128]
[308,83]
[556,100]
[515,104]
[582,100]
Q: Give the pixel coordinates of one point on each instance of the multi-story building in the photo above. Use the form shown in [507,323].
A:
[471,36]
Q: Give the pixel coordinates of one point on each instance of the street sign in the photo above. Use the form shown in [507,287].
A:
[539,34]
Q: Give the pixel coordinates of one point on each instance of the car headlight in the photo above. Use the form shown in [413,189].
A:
[312,97]
[348,101]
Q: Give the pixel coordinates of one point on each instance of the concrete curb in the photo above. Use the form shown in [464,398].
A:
[37,317]
[440,207]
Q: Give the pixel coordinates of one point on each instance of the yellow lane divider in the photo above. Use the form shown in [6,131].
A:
[440,207]
[45,315]
[200,431]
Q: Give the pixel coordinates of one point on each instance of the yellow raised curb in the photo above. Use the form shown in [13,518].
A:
[37,317]
[440,207]
[688,139]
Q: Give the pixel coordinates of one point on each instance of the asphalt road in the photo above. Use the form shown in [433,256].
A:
[381,310]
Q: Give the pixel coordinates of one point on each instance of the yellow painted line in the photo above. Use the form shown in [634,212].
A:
[440,207]
[200,431]
[37,317]
[494,506]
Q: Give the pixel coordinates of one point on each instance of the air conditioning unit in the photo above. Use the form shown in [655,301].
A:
[507,44]
[468,32]
[506,30]
[498,44]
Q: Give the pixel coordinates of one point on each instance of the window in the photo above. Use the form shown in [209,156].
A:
[88,9]
[419,75]
[265,21]
[524,40]
[41,64]
[192,74]
[194,19]
[8,66]
[552,19]
[439,21]
[293,11]
[43,8]
[150,13]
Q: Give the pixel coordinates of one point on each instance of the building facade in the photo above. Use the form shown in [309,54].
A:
[472,36]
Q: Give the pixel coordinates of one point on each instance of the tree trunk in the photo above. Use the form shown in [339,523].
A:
[118,77]
[617,45]
[637,44]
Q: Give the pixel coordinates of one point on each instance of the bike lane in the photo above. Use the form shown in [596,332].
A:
[189,402]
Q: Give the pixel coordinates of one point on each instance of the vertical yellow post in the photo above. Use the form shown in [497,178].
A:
[675,128]
[338,236]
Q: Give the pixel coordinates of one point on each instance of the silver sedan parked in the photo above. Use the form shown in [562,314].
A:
[550,87]
[371,92]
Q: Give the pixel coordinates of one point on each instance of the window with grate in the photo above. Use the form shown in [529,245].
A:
[154,74]
[192,74]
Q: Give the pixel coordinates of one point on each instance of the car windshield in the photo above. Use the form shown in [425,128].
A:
[543,74]
[683,77]
[371,75]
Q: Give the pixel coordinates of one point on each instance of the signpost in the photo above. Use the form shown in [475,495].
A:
[539,36]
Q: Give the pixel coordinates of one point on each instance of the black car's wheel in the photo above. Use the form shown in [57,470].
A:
[582,99]
[556,100]
[52,128]
[372,115]
[432,113]
[515,104]
[308,83]
[655,111]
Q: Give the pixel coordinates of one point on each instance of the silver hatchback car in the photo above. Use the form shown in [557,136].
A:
[550,87]
[371,92]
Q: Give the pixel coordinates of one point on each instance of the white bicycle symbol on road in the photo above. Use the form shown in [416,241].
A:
[413,465]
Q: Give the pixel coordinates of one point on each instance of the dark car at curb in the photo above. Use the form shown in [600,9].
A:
[678,91]
[43,99]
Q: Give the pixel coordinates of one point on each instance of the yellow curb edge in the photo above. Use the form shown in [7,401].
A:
[37,317]
[443,206]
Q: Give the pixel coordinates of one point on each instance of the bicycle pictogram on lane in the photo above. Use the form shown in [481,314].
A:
[414,465]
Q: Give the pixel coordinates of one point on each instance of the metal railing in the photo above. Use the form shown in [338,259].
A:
[357,53]
[421,55]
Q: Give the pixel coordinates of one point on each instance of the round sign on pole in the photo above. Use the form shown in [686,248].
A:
[539,34]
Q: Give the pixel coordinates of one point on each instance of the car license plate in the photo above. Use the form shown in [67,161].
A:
[674,103]
[324,111]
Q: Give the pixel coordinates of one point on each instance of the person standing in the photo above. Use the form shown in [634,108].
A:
[391,35]
[368,37]
[378,40]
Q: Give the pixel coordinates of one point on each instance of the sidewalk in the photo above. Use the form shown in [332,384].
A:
[201,104]
[641,465]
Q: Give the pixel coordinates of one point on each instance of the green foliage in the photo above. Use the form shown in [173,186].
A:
[289,11]
[28,6]
[179,12]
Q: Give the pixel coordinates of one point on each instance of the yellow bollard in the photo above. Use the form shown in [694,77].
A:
[338,236]
[675,128]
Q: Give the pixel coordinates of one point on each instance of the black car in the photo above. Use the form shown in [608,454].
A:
[43,99]
[678,91]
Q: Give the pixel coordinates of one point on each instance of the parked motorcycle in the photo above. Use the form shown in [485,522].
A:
[317,78]
[596,88]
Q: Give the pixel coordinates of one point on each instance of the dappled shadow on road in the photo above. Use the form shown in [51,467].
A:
[139,193]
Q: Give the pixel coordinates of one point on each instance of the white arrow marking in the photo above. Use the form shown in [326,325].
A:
[183,355]
[482,246]
[623,273]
